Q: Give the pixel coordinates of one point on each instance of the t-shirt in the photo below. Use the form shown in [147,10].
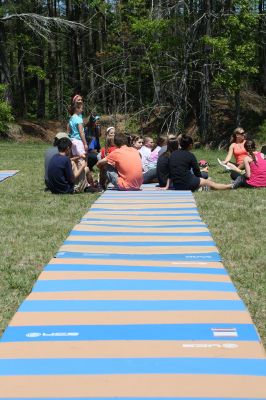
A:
[257,172]
[60,175]
[181,163]
[145,153]
[74,121]
[152,160]
[47,158]
[109,150]
[163,172]
[127,162]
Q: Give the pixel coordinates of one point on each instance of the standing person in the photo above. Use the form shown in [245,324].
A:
[237,150]
[182,162]
[60,175]
[76,132]
[145,151]
[124,168]
[255,167]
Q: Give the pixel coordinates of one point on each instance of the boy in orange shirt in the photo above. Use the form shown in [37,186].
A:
[123,165]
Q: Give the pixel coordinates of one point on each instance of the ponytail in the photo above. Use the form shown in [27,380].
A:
[250,148]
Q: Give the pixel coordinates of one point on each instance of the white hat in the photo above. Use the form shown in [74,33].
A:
[61,135]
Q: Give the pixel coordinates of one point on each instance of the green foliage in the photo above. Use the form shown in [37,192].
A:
[132,126]
[234,49]
[35,71]
[5,110]
[261,134]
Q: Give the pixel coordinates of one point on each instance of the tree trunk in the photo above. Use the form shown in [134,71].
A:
[205,82]
[41,88]
[237,107]
[102,66]
[21,80]
[4,65]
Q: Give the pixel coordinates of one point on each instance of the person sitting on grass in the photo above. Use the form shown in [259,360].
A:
[50,152]
[107,149]
[123,165]
[61,178]
[163,173]
[145,151]
[136,141]
[237,150]
[255,167]
[182,162]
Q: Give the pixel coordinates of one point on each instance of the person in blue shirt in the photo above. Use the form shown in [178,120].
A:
[93,134]
[60,174]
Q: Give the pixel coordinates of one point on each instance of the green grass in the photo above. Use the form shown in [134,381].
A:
[35,223]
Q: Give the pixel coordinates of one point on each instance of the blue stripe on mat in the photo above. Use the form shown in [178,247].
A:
[126,366]
[244,332]
[131,305]
[139,244]
[211,256]
[96,267]
[139,227]
[128,284]
[181,234]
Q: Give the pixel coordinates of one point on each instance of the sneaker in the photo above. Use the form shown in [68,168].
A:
[223,165]
[238,182]
[91,189]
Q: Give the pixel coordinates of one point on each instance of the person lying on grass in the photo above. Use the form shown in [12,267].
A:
[123,165]
[182,163]
[255,168]
[61,177]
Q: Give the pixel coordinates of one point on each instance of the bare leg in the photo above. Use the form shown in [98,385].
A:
[89,177]
[214,185]
[233,167]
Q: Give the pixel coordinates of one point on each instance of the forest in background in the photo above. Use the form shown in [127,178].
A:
[168,61]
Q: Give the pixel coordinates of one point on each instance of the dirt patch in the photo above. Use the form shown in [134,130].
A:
[253,115]
[44,131]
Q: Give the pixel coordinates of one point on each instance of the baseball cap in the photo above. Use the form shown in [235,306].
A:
[203,163]
[61,135]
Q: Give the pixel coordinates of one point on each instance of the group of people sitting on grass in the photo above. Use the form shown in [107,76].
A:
[128,162]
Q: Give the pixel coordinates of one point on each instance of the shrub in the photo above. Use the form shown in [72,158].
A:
[5,111]
[261,134]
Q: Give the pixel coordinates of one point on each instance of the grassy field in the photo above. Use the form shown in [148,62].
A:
[34,224]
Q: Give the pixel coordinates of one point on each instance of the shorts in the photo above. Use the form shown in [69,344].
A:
[192,185]
[77,147]
[112,175]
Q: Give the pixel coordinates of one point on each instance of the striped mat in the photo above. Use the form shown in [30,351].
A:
[7,174]
[136,305]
